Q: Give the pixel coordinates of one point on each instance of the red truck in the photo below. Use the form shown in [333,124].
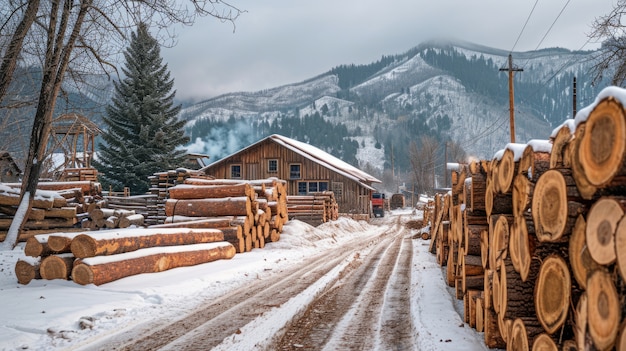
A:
[378,204]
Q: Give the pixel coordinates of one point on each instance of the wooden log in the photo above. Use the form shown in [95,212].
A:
[602,221]
[234,206]
[127,240]
[61,242]
[603,309]
[56,266]
[507,169]
[127,221]
[480,314]
[585,188]
[499,240]
[47,223]
[477,192]
[579,257]
[552,293]
[560,140]
[535,159]
[543,342]
[497,203]
[522,244]
[582,337]
[602,149]
[188,191]
[516,297]
[522,335]
[493,337]
[522,194]
[553,213]
[25,271]
[98,271]
[101,213]
[37,246]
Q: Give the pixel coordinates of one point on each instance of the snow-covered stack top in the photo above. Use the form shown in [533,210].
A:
[568,123]
[540,145]
[616,92]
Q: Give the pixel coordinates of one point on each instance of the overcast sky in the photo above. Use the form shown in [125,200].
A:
[279,42]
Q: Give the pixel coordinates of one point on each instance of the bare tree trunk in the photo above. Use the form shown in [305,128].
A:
[57,60]
[9,61]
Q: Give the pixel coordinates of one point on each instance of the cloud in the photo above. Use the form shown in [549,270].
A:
[278,42]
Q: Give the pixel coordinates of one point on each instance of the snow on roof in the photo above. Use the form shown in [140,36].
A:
[318,156]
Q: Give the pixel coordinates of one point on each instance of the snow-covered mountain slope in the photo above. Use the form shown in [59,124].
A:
[433,82]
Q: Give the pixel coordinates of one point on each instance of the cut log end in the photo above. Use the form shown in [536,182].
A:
[552,293]
[603,309]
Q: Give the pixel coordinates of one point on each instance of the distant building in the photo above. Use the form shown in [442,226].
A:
[306,169]
[9,171]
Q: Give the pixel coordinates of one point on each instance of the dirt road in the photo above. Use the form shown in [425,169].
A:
[353,298]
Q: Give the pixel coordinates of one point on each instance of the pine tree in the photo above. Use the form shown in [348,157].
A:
[143,134]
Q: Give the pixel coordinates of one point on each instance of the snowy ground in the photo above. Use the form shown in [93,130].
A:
[62,315]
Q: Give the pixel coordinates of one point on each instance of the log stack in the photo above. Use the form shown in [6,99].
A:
[52,210]
[253,210]
[553,243]
[104,256]
[315,208]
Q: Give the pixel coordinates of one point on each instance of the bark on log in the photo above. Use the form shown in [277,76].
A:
[493,337]
[552,293]
[88,271]
[188,191]
[56,266]
[603,309]
[127,240]
[579,257]
[234,206]
[602,221]
[516,297]
[27,271]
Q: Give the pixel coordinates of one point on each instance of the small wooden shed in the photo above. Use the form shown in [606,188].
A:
[9,171]
[306,169]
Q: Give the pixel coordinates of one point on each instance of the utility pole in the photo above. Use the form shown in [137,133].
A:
[511,70]
[574,100]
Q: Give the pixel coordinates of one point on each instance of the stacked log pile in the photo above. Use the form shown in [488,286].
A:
[250,212]
[104,256]
[122,212]
[160,182]
[315,209]
[549,217]
[57,206]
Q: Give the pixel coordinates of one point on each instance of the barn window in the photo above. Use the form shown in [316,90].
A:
[338,190]
[301,188]
[235,171]
[294,171]
[272,166]
[311,187]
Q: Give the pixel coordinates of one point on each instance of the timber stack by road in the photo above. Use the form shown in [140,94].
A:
[534,240]
[206,219]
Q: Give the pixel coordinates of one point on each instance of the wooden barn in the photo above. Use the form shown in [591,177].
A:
[9,171]
[306,169]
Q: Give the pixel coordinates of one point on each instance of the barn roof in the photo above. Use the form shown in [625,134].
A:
[314,154]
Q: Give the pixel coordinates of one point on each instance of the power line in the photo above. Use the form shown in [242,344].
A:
[524,27]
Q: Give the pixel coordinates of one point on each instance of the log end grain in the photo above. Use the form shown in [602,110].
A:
[552,293]
[25,272]
[603,309]
[83,246]
[82,274]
